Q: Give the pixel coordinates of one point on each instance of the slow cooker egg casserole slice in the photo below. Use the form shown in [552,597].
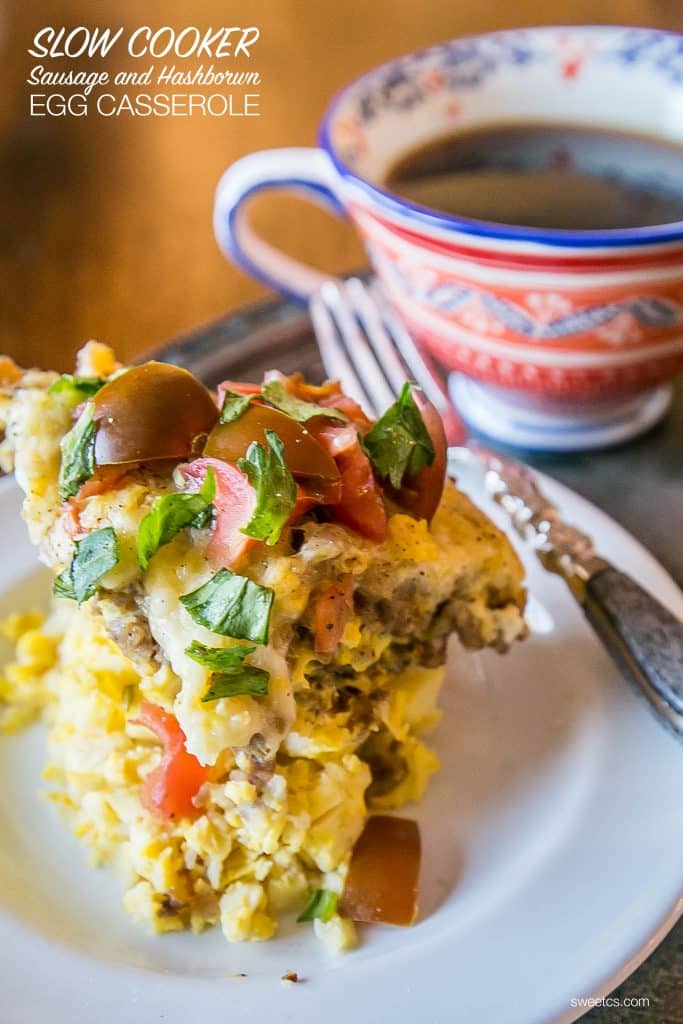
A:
[247,641]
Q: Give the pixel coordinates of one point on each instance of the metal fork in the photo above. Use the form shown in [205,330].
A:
[364,344]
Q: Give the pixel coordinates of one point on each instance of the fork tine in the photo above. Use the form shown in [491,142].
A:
[333,354]
[358,351]
[413,358]
[420,369]
[370,318]
[363,343]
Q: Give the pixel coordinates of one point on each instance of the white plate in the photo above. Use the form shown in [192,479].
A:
[552,853]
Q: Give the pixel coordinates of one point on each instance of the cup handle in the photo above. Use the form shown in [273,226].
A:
[307,171]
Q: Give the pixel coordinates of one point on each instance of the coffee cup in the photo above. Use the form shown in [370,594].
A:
[556,338]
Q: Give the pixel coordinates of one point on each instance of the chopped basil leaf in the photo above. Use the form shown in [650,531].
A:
[231,676]
[78,454]
[322,905]
[63,587]
[275,489]
[399,443]
[232,605]
[252,682]
[170,514]
[93,557]
[274,392]
[234,405]
[79,387]
[220,659]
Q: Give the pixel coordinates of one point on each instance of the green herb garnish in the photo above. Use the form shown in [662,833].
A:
[78,454]
[275,487]
[274,392]
[322,905]
[170,514]
[93,557]
[232,605]
[399,443]
[78,387]
[231,676]
[234,405]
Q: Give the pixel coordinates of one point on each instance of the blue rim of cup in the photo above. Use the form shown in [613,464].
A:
[562,238]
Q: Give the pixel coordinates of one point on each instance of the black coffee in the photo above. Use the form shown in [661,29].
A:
[546,176]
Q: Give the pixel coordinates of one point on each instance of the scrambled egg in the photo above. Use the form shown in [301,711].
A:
[256,851]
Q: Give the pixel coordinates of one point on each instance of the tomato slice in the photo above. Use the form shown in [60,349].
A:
[361,506]
[332,609]
[304,502]
[169,789]
[421,493]
[105,480]
[234,504]
[381,885]
[305,457]
[154,411]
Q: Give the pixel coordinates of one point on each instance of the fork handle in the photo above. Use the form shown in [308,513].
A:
[643,637]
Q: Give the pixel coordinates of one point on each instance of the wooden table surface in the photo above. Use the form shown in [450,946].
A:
[106,223]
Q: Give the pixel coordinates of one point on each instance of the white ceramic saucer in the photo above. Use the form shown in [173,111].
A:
[558,427]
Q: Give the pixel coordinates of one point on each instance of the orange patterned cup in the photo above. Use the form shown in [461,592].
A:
[556,339]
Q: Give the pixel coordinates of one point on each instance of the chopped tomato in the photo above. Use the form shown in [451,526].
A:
[332,609]
[304,502]
[234,503]
[325,457]
[239,387]
[105,480]
[361,506]
[334,437]
[92,487]
[71,523]
[381,884]
[170,788]
[350,408]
